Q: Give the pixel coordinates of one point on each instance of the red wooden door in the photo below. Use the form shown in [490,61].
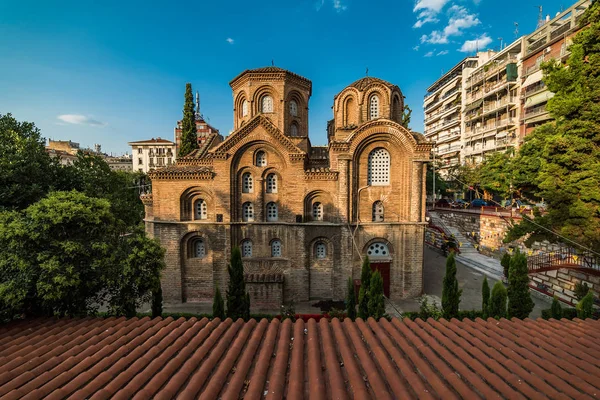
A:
[384,270]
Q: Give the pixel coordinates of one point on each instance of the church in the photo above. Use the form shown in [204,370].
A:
[303,216]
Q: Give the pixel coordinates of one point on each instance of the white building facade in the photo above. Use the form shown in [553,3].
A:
[152,154]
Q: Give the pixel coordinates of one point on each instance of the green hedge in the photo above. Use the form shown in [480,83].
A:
[568,313]
[473,314]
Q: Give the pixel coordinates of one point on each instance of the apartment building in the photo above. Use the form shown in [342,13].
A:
[152,154]
[443,122]
[549,41]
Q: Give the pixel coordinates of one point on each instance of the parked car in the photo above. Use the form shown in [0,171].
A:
[460,203]
[479,203]
[442,203]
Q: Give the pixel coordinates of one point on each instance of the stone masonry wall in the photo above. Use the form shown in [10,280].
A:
[561,283]
[265,290]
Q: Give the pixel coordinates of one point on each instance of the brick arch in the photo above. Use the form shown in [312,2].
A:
[188,197]
[341,97]
[257,96]
[369,132]
[320,270]
[325,199]
[197,275]
[241,96]
[397,107]
[378,239]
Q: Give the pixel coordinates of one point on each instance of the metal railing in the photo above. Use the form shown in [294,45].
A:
[564,258]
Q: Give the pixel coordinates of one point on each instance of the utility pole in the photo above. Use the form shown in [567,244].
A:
[433,165]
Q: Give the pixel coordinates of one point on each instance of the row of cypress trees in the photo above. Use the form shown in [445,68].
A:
[371,300]
[238,301]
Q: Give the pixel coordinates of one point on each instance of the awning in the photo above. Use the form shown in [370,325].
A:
[474,105]
[501,135]
[490,133]
[533,78]
[449,155]
[538,98]
[431,100]
[539,118]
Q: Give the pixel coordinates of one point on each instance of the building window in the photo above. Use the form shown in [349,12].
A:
[374,107]
[267,104]
[200,209]
[261,159]
[248,212]
[271,183]
[294,130]
[140,150]
[247,183]
[199,249]
[293,108]
[140,161]
[378,211]
[244,108]
[246,248]
[321,250]
[276,248]
[378,171]
[317,211]
[378,250]
[272,213]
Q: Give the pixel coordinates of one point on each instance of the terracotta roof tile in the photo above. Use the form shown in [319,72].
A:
[164,358]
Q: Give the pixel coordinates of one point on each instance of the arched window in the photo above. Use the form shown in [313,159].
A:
[248,212]
[244,108]
[199,249]
[266,104]
[374,107]
[247,248]
[378,171]
[271,183]
[293,108]
[247,183]
[317,211]
[200,209]
[261,159]
[320,250]
[294,130]
[378,211]
[378,249]
[276,248]
[272,212]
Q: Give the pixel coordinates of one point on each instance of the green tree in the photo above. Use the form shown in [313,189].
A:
[351,300]
[218,310]
[238,301]
[189,133]
[581,289]
[561,159]
[450,291]
[498,301]
[363,293]
[376,297]
[585,306]
[556,309]
[485,297]
[520,303]
[406,116]
[157,300]
[24,163]
[505,262]
[495,174]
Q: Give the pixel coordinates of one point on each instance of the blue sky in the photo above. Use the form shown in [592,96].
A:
[111,72]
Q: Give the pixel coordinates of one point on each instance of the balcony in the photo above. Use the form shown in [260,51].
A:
[432,129]
[494,105]
[532,112]
[441,112]
[453,135]
[448,149]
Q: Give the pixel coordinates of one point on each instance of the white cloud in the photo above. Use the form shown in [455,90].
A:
[424,18]
[441,53]
[229,40]
[435,37]
[339,6]
[416,48]
[431,5]
[319,4]
[80,120]
[470,46]
[460,19]
[429,54]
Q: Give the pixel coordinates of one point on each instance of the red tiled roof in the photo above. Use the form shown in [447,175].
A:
[142,358]
[153,140]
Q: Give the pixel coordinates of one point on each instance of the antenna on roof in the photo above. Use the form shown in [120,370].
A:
[198,115]
[272,62]
[540,20]
[367,72]
[500,39]
[516,30]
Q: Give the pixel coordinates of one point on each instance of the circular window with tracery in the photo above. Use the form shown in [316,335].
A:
[378,250]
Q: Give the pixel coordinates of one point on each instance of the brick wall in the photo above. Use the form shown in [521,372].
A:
[561,283]
[265,290]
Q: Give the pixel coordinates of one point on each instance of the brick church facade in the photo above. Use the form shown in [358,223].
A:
[303,216]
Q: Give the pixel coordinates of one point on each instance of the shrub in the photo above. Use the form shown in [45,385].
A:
[157,302]
[581,289]
[218,305]
[485,297]
[351,300]
[238,301]
[288,311]
[585,307]
[363,294]
[376,298]
[497,307]
[339,314]
[556,309]
[428,310]
[450,291]
[505,262]
[520,303]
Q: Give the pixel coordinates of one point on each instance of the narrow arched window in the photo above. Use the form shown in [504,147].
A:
[378,170]
[261,159]
[293,108]
[247,248]
[271,183]
[378,211]
[294,130]
[244,108]
[374,107]
[272,212]
[267,104]
[317,211]
[247,183]
[320,250]
[378,249]
[248,212]
[199,249]
[200,209]
[276,248]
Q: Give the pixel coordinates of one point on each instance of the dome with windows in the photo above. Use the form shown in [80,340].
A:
[367,81]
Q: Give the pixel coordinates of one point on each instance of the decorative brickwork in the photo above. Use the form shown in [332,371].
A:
[266,291]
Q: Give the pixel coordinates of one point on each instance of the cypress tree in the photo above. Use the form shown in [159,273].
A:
[485,297]
[189,135]
[497,307]
[238,301]
[585,306]
[520,303]
[351,300]
[505,262]
[450,291]
[363,293]
[376,299]
[556,309]
[157,302]
[218,305]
